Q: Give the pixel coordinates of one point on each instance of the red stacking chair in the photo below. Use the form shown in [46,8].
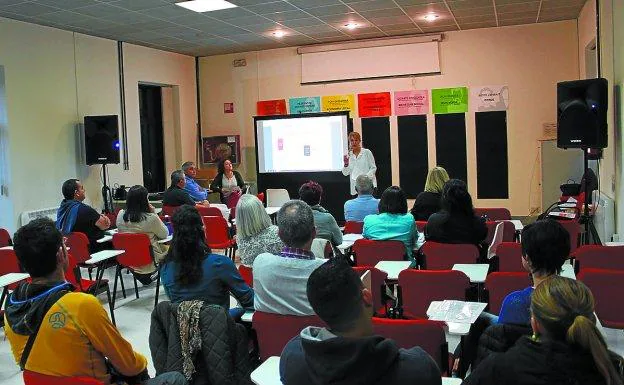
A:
[73,276]
[494,213]
[574,229]
[510,257]
[369,253]
[112,217]
[5,238]
[246,273]
[599,257]
[607,287]
[499,285]
[442,256]
[420,225]
[428,335]
[352,227]
[260,196]
[378,287]
[218,235]
[33,378]
[8,264]
[275,330]
[419,287]
[137,253]
[209,211]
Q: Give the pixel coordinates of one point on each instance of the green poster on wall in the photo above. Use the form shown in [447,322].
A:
[449,100]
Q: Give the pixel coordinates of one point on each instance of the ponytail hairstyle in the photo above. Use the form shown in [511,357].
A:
[565,309]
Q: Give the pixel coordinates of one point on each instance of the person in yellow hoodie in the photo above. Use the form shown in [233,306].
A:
[56,332]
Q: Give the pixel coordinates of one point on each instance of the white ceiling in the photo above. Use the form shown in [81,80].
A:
[250,26]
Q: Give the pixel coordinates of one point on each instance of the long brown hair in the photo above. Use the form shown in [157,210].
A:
[565,309]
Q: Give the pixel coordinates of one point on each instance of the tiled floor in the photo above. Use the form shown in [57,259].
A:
[133,321]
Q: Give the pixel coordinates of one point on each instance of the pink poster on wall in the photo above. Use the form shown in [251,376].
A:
[411,102]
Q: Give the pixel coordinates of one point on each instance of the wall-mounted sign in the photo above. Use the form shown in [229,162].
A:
[449,100]
[489,98]
[374,104]
[411,102]
[271,107]
[228,108]
[304,105]
[337,103]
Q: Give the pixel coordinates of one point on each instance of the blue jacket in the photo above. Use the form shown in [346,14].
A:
[356,209]
[197,192]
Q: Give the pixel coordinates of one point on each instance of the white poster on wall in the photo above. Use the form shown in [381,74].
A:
[490,98]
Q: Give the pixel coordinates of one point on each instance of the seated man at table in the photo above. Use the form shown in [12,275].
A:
[280,280]
[348,351]
[55,332]
[176,195]
[197,192]
[73,215]
[365,204]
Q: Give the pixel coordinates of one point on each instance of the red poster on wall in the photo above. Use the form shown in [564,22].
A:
[374,104]
[271,107]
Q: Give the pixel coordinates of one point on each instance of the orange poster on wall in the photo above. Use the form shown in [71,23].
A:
[271,107]
[374,104]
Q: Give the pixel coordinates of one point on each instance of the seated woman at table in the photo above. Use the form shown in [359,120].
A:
[456,222]
[139,217]
[324,222]
[566,346]
[428,201]
[254,232]
[192,272]
[393,223]
[228,183]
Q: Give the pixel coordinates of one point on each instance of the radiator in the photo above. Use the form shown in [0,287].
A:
[28,216]
[604,216]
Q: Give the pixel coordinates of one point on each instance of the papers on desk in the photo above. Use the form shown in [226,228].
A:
[105,238]
[455,311]
[351,237]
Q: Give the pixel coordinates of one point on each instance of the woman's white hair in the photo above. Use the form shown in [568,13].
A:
[251,217]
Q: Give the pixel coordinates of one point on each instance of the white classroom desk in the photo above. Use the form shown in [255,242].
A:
[268,374]
[103,256]
[6,248]
[11,278]
[348,240]
[567,270]
[517,224]
[476,272]
[105,238]
[272,210]
[247,316]
[393,268]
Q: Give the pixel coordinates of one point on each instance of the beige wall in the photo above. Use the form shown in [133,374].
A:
[53,79]
[617,21]
[586,33]
[529,59]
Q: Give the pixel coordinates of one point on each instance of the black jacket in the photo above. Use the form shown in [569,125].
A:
[446,228]
[358,361]
[499,338]
[426,204]
[223,359]
[538,363]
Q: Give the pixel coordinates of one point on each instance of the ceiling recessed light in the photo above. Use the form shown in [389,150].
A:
[351,25]
[431,17]
[279,33]
[205,5]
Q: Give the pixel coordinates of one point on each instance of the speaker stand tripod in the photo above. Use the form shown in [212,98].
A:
[106,193]
[591,236]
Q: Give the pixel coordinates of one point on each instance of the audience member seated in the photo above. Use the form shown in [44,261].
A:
[279,280]
[428,201]
[393,223]
[456,222]
[192,272]
[139,217]
[176,195]
[365,204]
[229,184]
[198,193]
[348,352]
[325,223]
[566,347]
[69,334]
[73,215]
[254,232]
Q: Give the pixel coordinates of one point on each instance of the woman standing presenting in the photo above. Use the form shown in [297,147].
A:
[358,161]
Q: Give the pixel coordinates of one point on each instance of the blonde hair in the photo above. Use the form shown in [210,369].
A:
[565,309]
[436,178]
[251,217]
[355,134]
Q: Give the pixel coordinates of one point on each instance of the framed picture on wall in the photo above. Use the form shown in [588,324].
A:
[217,148]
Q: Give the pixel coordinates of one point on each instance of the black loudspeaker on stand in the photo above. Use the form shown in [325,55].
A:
[102,147]
[582,123]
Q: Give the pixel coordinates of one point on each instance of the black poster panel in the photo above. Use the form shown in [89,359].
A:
[451,145]
[376,137]
[492,159]
[413,154]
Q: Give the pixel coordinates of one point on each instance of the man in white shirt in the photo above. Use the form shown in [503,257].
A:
[359,161]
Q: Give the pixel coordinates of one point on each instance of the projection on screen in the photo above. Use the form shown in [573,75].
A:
[301,144]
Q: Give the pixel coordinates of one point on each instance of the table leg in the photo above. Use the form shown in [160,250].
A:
[5,291]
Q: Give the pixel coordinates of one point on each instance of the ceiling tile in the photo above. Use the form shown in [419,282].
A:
[166,12]
[304,4]
[144,35]
[485,24]
[372,5]
[130,17]
[522,7]
[91,23]
[418,2]
[179,31]
[28,9]
[64,4]
[390,20]
[62,17]
[362,31]
[517,15]
[277,6]
[287,15]
[439,28]
[221,29]
[524,20]
[548,4]
[444,18]
[248,20]
[250,38]
[405,32]
[465,4]
[305,22]
[100,10]
[383,13]
[326,35]
[558,14]
[231,13]
[426,8]
[191,19]
[244,3]
[138,5]
[262,27]
[329,10]
[398,27]
[342,18]
[10,2]
[315,29]
[476,19]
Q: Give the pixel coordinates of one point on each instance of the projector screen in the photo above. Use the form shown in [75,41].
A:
[301,143]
